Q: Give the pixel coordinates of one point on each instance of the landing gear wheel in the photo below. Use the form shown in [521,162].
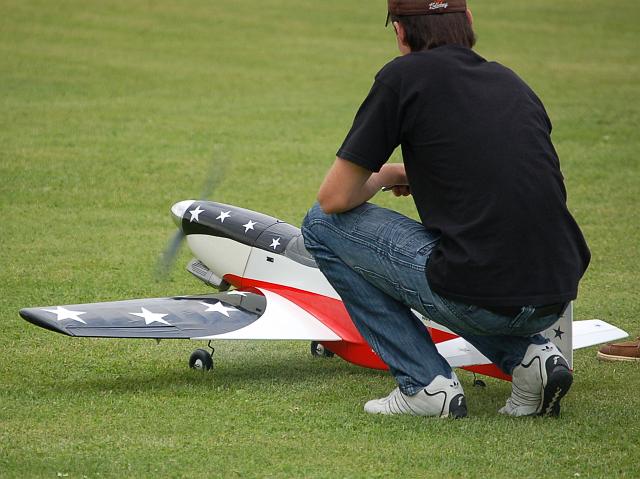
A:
[201,359]
[320,351]
[478,383]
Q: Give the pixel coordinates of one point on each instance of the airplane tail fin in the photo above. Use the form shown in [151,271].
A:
[569,335]
[561,334]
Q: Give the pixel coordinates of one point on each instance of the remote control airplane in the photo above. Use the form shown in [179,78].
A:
[269,288]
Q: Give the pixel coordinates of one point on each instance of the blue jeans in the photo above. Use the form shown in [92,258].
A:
[376,259]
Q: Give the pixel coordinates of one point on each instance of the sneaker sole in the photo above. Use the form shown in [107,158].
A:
[559,381]
[611,357]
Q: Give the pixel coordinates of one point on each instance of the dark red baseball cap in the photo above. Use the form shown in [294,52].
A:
[424,7]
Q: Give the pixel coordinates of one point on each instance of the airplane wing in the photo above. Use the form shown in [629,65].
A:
[255,314]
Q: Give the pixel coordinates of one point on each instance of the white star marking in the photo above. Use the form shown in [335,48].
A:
[236,293]
[195,214]
[64,313]
[275,243]
[150,317]
[223,215]
[249,226]
[218,308]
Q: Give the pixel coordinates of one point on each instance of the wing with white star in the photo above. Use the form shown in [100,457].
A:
[251,314]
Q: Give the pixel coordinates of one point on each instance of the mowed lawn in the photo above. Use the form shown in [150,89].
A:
[110,111]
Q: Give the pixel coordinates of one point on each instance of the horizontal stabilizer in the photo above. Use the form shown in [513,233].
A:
[459,353]
[590,332]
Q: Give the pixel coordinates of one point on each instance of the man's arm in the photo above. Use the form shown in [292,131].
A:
[348,185]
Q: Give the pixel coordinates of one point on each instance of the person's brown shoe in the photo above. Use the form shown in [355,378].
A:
[627,351]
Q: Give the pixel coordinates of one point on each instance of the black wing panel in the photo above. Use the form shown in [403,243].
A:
[179,317]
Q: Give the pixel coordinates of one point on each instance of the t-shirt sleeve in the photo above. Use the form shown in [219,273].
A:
[375,132]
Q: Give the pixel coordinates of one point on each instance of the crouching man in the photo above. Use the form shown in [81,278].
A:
[496,257]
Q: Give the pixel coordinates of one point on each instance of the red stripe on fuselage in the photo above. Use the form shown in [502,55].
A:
[332,313]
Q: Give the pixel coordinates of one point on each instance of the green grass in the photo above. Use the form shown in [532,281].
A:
[111,111]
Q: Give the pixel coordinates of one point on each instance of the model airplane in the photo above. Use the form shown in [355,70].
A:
[269,288]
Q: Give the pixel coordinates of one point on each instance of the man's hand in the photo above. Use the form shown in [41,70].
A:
[348,185]
[399,190]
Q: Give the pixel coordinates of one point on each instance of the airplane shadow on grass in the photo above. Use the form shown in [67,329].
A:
[280,372]
[255,372]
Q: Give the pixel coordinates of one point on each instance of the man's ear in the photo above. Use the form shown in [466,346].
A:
[470,16]
[401,36]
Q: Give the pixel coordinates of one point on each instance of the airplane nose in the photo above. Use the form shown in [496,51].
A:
[179,209]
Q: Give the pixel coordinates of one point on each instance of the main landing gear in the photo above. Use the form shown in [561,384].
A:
[318,350]
[478,383]
[201,359]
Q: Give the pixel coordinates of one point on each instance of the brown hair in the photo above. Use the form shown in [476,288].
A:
[430,31]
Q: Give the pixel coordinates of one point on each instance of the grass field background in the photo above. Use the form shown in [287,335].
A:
[110,111]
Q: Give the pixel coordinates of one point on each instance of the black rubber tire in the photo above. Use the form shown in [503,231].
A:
[318,350]
[201,360]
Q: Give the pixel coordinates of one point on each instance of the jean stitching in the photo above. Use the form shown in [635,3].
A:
[391,245]
[466,321]
[432,312]
[360,269]
[372,340]
[365,244]
[452,310]
[394,284]
[521,317]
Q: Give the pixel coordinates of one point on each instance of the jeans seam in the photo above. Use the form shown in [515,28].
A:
[395,284]
[392,246]
[521,317]
[365,244]
[452,310]
[392,288]
[469,323]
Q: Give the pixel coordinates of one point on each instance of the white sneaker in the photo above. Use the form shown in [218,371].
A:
[539,382]
[443,397]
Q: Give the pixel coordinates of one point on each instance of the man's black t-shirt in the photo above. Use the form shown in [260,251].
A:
[483,173]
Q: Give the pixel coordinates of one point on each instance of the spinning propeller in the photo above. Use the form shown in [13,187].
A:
[213,179]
